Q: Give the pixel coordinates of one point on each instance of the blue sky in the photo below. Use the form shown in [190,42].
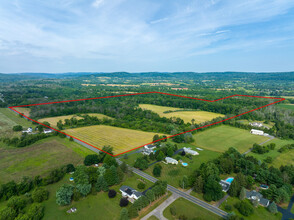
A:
[146,35]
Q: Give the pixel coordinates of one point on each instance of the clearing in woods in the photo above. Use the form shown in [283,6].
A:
[221,138]
[187,116]
[121,139]
[53,120]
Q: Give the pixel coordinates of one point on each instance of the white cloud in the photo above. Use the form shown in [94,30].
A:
[97,3]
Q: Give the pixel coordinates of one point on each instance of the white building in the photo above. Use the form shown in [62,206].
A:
[256,124]
[148,149]
[47,131]
[171,160]
[189,151]
[257,132]
[29,130]
[130,193]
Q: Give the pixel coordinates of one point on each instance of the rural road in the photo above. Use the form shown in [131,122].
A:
[180,193]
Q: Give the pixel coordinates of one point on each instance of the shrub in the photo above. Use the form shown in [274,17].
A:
[272,208]
[91,159]
[17,203]
[245,208]
[228,207]
[17,128]
[71,139]
[70,168]
[123,202]
[111,193]
[141,185]
[36,211]
[173,210]
[40,194]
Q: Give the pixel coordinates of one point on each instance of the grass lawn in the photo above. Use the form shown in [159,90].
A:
[8,119]
[286,106]
[173,173]
[259,212]
[53,120]
[121,139]
[189,209]
[285,158]
[39,158]
[187,116]
[97,206]
[222,137]
[153,218]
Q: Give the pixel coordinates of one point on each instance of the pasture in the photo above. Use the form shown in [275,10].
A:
[53,120]
[121,139]
[8,119]
[189,209]
[285,158]
[221,138]
[187,116]
[286,106]
[39,158]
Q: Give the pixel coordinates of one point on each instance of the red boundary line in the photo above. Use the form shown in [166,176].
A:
[279,100]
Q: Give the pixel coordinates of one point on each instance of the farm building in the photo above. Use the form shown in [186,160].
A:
[47,131]
[171,160]
[189,151]
[29,130]
[257,132]
[148,149]
[256,124]
[130,193]
[253,195]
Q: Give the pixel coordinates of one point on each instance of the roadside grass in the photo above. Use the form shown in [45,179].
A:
[187,116]
[8,119]
[285,158]
[53,120]
[153,218]
[39,158]
[174,173]
[189,209]
[97,206]
[121,139]
[221,138]
[259,212]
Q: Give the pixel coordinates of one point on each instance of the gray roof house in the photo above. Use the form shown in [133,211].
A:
[148,149]
[225,185]
[130,193]
[253,195]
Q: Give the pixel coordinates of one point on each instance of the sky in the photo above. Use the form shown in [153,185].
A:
[146,35]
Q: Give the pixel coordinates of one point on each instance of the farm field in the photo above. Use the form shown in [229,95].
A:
[53,120]
[187,116]
[189,209]
[285,158]
[121,139]
[221,138]
[39,158]
[259,212]
[286,106]
[88,207]
[8,119]
[174,173]
[25,111]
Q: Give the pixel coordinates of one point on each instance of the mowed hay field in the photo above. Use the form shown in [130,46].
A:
[121,139]
[187,116]
[223,137]
[8,119]
[39,158]
[53,120]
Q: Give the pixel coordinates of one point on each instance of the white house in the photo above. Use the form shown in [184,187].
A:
[189,151]
[257,132]
[130,193]
[171,160]
[256,124]
[148,149]
[47,131]
[29,130]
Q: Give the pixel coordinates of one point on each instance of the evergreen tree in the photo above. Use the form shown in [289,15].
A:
[242,195]
[272,208]
[157,170]
[124,214]
[111,176]
[184,182]
[101,184]
[198,185]
[150,195]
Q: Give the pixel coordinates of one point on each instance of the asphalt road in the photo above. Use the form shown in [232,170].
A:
[190,198]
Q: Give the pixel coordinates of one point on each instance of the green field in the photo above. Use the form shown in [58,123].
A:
[91,207]
[260,213]
[121,139]
[174,173]
[39,158]
[286,106]
[189,209]
[187,116]
[285,158]
[8,119]
[223,137]
[25,111]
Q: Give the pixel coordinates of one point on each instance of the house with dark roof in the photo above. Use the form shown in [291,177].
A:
[225,185]
[130,193]
[253,195]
